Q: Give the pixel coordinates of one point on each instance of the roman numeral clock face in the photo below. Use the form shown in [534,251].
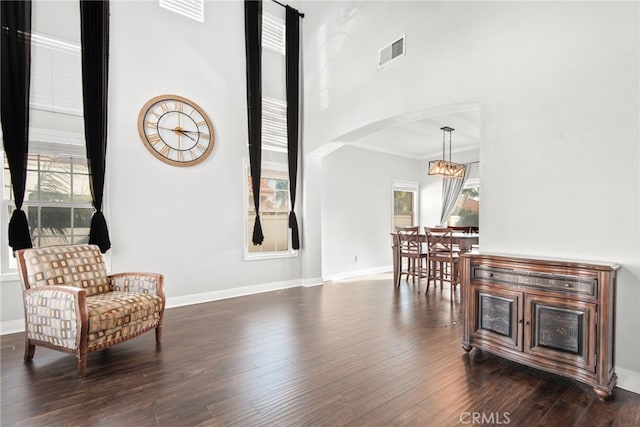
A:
[176,130]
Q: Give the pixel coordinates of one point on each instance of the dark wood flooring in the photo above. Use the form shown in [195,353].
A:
[357,353]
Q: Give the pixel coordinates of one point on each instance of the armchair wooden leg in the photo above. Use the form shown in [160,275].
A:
[82,365]
[158,334]
[29,350]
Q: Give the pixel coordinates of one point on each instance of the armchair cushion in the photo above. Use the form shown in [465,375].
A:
[81,266]
[115,315]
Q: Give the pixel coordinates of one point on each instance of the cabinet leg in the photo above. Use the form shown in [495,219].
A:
[467,347]
[603,394]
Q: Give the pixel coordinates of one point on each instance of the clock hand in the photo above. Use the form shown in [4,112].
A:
[180,132]
[176,129]
[188,136]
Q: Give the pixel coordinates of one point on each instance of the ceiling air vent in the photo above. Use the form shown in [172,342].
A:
[391,52]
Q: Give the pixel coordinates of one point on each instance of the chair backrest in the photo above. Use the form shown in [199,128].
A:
[408,230]
[439,242]
[408,239]
[81,266]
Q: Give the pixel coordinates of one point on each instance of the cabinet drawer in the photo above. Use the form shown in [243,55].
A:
[587,286]
[578,285]
[493,274]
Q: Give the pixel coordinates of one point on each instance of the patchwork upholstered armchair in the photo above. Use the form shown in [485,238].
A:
[72,305]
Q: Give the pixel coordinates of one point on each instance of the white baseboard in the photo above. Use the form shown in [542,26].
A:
[316,281]
[355,273]
[180,301]
[12,327]
[628,380]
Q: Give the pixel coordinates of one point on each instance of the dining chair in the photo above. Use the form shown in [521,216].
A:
[411,249]
[442,258]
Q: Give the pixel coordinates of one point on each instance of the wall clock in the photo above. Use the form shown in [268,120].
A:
[176,130]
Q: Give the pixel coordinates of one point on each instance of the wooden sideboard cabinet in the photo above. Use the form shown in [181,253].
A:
[550,314]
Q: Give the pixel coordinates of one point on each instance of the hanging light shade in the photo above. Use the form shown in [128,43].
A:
[444,168]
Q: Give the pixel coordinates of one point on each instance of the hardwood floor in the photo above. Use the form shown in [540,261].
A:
[354,353]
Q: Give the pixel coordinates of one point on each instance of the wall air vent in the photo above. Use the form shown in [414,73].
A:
[391,52]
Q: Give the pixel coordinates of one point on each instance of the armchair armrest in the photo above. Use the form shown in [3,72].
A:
[146,283]
[56,315]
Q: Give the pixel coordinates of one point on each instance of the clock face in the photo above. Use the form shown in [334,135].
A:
[176,130]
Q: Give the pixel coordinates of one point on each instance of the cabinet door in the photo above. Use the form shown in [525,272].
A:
[561,330]
[496,315]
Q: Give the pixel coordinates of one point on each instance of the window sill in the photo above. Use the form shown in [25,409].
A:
[269,255]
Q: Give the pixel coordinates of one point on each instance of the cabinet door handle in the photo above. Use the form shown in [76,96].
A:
[567,285]
[520,321]
[490,274]
[528,323]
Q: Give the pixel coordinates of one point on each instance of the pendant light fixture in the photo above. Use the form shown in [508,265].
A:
[443,168]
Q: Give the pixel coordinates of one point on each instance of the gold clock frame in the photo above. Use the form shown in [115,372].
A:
[146,109]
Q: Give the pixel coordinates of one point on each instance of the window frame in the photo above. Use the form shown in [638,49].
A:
[406,186]
[274,127]
[256,256]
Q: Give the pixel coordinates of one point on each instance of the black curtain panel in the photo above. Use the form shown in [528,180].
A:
[15,77]
[94,32]
[253,44]
[292,72]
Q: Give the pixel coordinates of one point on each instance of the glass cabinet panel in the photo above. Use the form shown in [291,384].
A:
[560,330]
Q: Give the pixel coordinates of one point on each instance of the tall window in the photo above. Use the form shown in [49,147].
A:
[274,185]
[274,212]
[57,195]
[405,204]
[467,210]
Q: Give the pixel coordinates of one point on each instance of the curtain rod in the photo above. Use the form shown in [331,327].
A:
[301,15]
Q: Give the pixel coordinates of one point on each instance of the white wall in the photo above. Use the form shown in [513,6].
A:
[557,83]
[357,202]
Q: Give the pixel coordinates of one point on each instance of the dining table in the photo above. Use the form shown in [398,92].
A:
[465,242]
